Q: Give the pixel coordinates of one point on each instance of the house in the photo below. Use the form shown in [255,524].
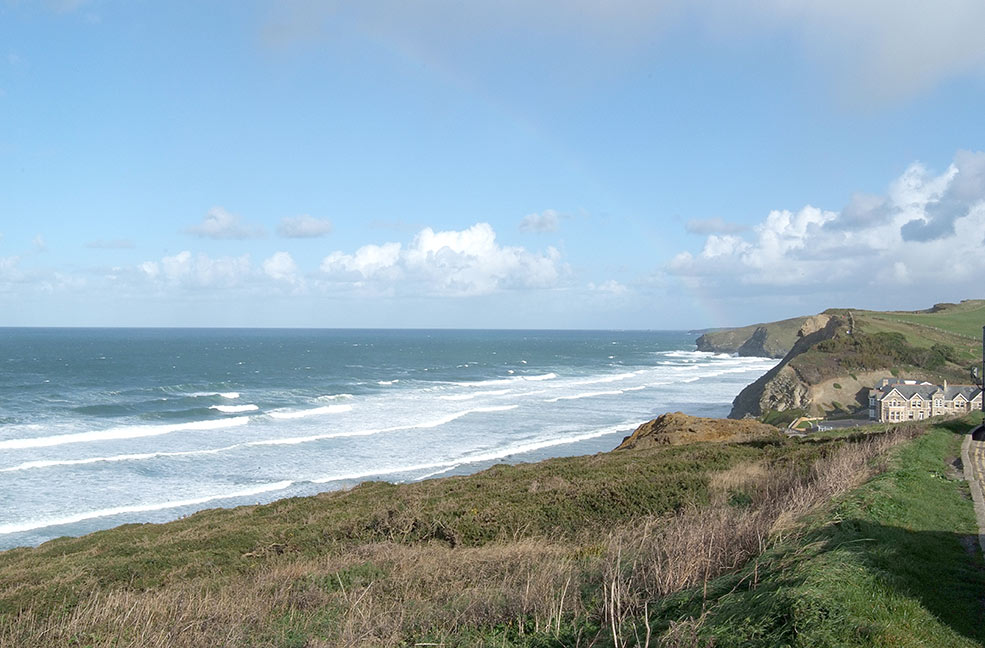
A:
[909,400]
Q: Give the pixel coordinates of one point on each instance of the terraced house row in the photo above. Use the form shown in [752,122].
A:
[909,400]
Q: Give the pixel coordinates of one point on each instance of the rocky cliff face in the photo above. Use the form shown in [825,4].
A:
[782,388]
[676,428]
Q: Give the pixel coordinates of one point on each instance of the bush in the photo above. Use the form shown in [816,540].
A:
[836,386]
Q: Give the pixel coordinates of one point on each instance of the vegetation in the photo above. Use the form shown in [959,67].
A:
[783,418]
[862,351]
[615,549]
[965,319]
[958,327]
[893,563]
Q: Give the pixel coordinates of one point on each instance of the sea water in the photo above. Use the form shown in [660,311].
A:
[100,427]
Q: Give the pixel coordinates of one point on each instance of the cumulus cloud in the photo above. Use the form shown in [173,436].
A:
[713,226]
[455,262]
[928,229]
[221,224]
[304,226]
[281,267]
[545,221]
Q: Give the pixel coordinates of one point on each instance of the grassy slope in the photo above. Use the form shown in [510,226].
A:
[886,565]
[891,564]
[559,499]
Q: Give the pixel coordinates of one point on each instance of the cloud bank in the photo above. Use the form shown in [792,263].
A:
[926,234]
[452,263]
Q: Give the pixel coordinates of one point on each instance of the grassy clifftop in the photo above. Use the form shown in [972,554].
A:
[772,340]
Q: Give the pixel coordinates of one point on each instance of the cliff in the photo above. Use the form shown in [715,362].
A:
[770,340]
[676,428]
[782,387]
[839,354]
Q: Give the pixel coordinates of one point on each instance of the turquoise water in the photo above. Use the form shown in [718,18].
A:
[99,427]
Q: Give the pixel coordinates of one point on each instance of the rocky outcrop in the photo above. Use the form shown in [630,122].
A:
[773,340]
[782,388]
[676,428]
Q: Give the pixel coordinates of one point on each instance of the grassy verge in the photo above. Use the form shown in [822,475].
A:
[893,563]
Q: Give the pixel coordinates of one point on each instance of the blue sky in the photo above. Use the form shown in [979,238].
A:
[510,164]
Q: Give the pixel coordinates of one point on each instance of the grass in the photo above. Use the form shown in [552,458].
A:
[892,563]
[572,551]
[559,499]
[966,318]
[958,326]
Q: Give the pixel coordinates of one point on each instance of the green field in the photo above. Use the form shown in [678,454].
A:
[957,325]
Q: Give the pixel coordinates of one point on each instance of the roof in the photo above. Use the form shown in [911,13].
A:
[969,392]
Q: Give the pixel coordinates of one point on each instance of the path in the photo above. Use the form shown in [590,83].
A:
[973,460]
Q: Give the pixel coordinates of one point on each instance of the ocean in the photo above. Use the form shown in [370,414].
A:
[100,427]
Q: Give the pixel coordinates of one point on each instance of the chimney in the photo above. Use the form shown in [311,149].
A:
[945,385]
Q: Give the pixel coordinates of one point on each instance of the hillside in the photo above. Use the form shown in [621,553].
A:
[840,353]
[570,551]
[698,544]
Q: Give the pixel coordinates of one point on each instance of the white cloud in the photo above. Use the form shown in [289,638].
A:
[545,221]
[867,248]
[465,262]
[39,244]
[304,226]
[198,270]
[281,267]
[368,262]
[221,224]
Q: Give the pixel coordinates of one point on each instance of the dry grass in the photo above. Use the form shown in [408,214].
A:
[390,593]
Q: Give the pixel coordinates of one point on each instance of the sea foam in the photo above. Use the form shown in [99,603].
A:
[28,525]
[127,432]
[315,411]
[233,409]
[369,432]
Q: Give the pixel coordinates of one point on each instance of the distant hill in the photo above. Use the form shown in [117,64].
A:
[840,353]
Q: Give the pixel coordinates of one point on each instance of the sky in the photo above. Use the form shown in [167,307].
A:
[508,164]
